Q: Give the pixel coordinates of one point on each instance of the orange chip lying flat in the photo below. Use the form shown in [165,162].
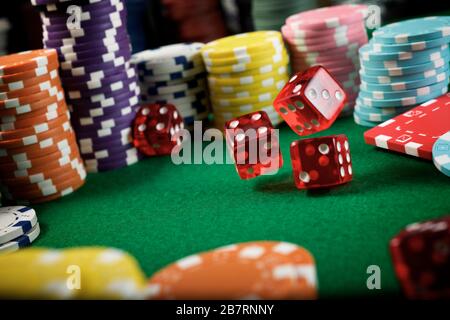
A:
[253,270]
[26,61]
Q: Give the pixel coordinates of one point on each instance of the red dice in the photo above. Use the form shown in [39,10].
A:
[253,143]
[311,101]
[321,162]
[155,129]
[421,258]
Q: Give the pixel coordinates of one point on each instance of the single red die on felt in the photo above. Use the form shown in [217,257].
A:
[321,162]
[311,101]
[421,258]
[155,129]
[253,143]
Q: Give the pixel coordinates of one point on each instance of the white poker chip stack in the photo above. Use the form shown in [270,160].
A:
[174,74]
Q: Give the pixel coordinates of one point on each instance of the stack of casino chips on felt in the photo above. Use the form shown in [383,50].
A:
[245,74]
[100,85]
[4,28]
[39,156]
[19,227]
[270,14]
[403,65]
[329,37]
[196,21]
[174,74]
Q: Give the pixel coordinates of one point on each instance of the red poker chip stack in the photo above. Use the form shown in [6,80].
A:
[329,37]
[39,156]
[196,21]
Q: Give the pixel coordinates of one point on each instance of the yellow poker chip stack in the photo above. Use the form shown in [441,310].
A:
[78,273]
[245,74]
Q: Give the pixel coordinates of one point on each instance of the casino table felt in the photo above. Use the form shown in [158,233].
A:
[160,212]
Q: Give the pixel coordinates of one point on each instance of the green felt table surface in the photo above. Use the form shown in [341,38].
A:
[161,212]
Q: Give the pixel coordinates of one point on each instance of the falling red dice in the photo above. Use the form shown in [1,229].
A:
[421,258]
[311,101]
[321,162]
[253,143]
[155,129]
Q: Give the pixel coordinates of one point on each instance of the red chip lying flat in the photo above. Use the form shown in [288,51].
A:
[415,131]
[252,270]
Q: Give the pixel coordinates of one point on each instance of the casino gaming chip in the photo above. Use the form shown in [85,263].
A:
[36,137]
[96,73]
[404,64]
[331,37]
[253,270]
[21,242]
[441,154]
[174,74]
[245,73]
[15,222]
[38,273]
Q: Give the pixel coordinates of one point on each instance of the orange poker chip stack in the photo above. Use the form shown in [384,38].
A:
[39,156]
[253,270]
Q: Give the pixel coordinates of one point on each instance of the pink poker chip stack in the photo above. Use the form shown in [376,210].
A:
[330,37]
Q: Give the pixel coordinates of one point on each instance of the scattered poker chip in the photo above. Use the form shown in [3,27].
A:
[253,270]
[108,273]
[100,83]
[404,64]
[245,72]
[36,135]
[174,74]
[21,242]
[415,131]
[441,153]
[15,222]
[329,37]
[414,30]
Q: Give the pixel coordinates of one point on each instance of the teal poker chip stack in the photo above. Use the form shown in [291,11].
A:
[405,64]
[271,14]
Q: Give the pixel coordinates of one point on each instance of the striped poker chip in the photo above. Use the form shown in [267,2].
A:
[15,221]
[261,270]
[441,154]
[21,242]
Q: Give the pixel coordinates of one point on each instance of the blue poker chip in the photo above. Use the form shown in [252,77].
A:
[417,92]
[405,78]
[373,116]
[391,111]
[403,102]
[401,71]
[441,154]
[22,241]
[406,47]
[15,221]
[407,85]
[405,59]
[414,30]
[363,122]
[157,90]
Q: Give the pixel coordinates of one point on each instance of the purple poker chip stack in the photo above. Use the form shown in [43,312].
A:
[101,86]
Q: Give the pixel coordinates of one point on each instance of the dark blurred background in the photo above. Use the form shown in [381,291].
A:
[152,23]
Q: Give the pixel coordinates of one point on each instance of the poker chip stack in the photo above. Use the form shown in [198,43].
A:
[270,14]
[39,156]
[405,64]
[174,74]
[100,84]
[330,37]
[19,227]
[200,21]
[245,74]
[4,28]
